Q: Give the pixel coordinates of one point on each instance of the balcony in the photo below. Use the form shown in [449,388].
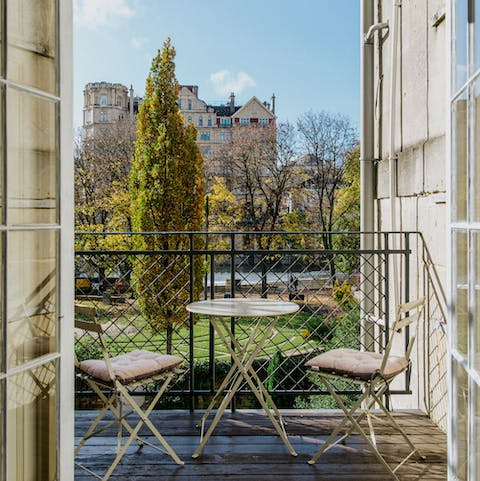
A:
[334,295]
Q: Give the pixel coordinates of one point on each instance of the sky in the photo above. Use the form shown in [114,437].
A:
[306,52]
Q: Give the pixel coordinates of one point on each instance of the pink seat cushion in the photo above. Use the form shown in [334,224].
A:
[357,364]
[131,366]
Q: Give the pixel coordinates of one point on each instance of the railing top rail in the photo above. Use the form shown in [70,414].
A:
[304,232]
[245,251]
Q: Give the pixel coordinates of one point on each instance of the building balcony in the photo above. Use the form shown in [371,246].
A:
[335,289]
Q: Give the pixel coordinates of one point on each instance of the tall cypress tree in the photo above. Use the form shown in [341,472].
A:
[167,194]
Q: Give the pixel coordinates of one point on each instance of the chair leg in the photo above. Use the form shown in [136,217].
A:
[353,420]
[145,420]
[368,399]
[348,417]
[113,403]
[398,428]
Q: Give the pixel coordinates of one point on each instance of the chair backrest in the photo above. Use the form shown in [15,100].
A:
[407,314]
[90,313]
[89,323]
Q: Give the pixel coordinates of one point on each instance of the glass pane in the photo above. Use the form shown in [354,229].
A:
[459,158]
[461,423]
[476,295]
[2,433]
[460,281]
[477,427]
[2,171]
[477,34]
[32,159]
[475,158]
[31,300]
[31,43]
[2,45]
[460,44]
[32,425]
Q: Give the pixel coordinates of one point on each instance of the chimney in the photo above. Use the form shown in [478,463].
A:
[273,104]
[232,103]
[131,100]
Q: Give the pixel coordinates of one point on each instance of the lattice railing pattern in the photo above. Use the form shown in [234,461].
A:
[325,283]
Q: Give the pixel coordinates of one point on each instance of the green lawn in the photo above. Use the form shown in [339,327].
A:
[284,338]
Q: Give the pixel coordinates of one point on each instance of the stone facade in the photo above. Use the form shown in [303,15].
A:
[105,103]
[420,123]
[214,122]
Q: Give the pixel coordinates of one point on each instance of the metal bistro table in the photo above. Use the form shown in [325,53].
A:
[267,311]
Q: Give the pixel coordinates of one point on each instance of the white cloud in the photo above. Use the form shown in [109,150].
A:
[225,82]
[94,14]
[138,42]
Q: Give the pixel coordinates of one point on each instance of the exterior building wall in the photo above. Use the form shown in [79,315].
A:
[419,158]
[214,123]
[106,103]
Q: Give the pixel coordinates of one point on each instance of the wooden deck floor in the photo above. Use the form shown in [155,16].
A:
[244,448]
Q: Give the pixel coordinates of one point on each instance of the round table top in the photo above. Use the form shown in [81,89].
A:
[243,307]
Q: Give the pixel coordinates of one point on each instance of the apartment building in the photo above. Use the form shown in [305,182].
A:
[214,122]
[107,103]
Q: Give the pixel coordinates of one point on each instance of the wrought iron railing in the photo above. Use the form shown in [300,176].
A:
[141,283]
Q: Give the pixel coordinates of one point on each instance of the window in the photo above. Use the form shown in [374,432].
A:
[224,136]
[209,121]
[200,121]
[103,100]
[103,116]
[204,135]
[35,117]
[464,444]
[225,122]
[119,101]
[180,104]
[206,151]
[244,121]
[263,121]
[190,119]
[189,105]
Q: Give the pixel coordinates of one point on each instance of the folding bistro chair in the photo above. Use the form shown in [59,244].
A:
[113,379]
[374,372]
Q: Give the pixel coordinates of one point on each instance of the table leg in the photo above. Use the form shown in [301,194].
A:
[218,415]
[246,367]
[242,369]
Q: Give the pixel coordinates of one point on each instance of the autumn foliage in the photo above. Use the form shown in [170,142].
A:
[167,195]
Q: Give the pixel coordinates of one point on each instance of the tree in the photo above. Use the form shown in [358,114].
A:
[167,194]
[224,212]
[102,163]
[327,139]
[259,170]
[347,207]
[347,211]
